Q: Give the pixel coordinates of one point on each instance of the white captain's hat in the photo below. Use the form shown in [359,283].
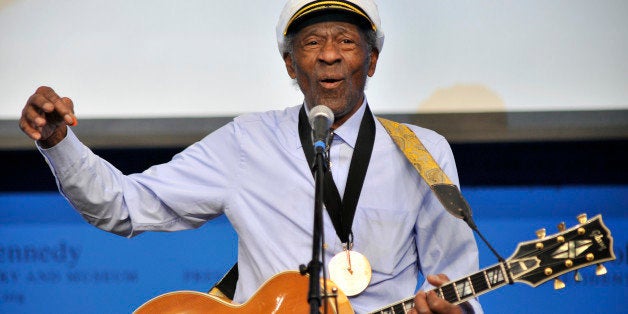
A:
[295,11]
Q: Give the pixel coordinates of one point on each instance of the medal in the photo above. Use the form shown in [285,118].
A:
[350,271]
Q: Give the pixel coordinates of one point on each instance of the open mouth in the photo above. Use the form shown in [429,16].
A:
[330,82]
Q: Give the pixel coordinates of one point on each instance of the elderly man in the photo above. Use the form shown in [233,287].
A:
[255,170]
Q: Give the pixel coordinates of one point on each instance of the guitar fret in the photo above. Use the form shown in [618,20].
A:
[479,282]
[398,308]
[495,276]
[456,290]
[504,272]
[408,305]
[450,293]
[463,288]
[471,285]
[401,307]
[439,292]
[488,282]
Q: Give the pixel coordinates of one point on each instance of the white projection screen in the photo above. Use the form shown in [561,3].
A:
[198,58]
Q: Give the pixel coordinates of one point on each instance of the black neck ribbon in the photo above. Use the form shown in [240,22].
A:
[342,211]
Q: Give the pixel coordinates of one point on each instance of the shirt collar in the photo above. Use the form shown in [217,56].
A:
[348,131]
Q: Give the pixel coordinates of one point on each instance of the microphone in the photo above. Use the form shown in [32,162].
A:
[321,118]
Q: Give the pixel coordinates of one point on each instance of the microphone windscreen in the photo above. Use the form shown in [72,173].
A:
[321,111]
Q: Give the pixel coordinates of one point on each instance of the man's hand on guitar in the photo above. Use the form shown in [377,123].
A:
[429,302]
[45,117]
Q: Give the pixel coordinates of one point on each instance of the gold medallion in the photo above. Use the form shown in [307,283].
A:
[350,271]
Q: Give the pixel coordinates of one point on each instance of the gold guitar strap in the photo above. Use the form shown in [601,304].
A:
[448,194]
[416,153]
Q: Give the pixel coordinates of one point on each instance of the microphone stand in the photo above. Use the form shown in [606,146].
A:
[315,266]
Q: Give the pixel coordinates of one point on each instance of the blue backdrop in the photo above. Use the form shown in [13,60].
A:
[53,262]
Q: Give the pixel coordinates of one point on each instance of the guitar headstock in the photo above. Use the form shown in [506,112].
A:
[537,261]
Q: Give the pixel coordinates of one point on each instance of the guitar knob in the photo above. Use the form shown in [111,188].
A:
[600,270]
[558,284]
[561,226]
[540,233]
[334,291]
[577,276]
[582,218]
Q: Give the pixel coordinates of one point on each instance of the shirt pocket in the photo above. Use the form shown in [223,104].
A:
[386,237]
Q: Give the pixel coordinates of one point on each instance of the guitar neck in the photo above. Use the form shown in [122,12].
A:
[460,290]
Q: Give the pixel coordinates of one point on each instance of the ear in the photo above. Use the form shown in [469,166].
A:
[287,58]
[373,62]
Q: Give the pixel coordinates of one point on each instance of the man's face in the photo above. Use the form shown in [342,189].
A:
[330,61]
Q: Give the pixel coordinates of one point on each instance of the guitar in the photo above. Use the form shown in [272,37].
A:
[533,263]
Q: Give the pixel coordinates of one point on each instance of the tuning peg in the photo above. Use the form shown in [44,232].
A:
[558,284]
[600,270]
[540,233]
[561,226]
[582,218]
[577,276]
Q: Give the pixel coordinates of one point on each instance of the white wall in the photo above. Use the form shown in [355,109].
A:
[148,58]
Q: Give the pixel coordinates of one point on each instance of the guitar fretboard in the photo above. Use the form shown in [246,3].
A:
[458,291]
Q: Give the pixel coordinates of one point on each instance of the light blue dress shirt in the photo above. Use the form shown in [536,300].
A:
[254,171]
